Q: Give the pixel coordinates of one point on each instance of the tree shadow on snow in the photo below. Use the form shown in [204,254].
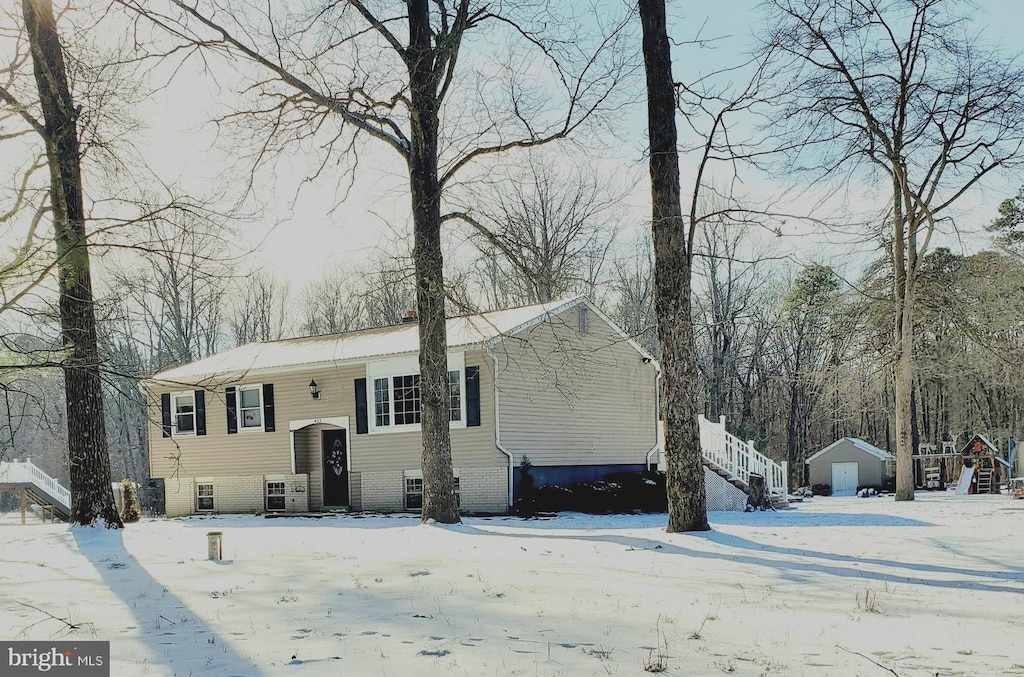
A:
[795,563]
[164,621]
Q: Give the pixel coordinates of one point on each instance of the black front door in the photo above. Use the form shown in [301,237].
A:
[335,448]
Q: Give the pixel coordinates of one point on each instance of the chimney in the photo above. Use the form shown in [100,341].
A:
[410,317]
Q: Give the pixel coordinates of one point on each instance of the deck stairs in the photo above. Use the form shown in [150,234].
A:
[39,487]
[730,457]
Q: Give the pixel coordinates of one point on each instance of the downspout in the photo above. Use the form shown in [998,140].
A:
[657,418]
[291,445]
[497,426]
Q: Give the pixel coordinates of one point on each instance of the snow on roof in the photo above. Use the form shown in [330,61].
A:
[984,440]
[859,444]
[353,346]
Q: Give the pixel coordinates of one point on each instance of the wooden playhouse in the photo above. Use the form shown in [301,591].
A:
[976,468]
[984,468]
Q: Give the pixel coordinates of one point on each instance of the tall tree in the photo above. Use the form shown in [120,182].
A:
[259,309]
[385,71]
[807,308]
[92,496]
[673,260]
[900,91]
[552,226]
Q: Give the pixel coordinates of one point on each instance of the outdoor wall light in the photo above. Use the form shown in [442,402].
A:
[314,389]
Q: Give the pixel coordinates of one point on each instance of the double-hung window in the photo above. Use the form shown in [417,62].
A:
[394,403]
[275,496]
[455,395]
[183,407]
[414,490]
[204,497]
[413,493]
[250,407]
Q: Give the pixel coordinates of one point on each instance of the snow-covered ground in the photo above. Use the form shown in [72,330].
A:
[838,586]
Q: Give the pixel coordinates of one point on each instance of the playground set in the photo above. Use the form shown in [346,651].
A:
[979,467]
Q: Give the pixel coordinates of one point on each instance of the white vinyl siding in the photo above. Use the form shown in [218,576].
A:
[572,398]
[223,455]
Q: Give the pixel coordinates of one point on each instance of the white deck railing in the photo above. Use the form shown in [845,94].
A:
[26,471]
[740,459]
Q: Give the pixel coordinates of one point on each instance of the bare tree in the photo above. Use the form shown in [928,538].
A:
[550,224]
[673,252]
[92,497]
[903,92]
[728,278]
[388,290]
[341,71]
[174,284]
[632,286]
[259,308]
[331,304]
[807,332]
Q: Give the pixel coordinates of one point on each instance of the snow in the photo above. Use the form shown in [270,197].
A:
[355,346]
[837,586]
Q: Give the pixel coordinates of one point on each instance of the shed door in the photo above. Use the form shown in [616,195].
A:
[844,479]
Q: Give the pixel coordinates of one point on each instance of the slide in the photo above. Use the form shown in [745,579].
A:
[964,485]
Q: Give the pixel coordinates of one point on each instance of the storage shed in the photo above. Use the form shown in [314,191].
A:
[849,463]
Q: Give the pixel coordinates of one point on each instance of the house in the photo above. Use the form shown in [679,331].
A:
[849,463]
[332,422]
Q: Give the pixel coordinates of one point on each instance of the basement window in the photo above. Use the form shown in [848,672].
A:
[275,496]
[204,497]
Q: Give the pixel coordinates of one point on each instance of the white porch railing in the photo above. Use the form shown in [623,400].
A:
[740,459]
[26,471]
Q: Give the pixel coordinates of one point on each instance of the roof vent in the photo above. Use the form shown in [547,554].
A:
[410,317]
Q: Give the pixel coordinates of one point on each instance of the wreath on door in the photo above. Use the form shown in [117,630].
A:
[336,459]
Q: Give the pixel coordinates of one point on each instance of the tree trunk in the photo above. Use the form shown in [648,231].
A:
[438,481]
[793,444]
[91,494]
[903,385]
[672,264]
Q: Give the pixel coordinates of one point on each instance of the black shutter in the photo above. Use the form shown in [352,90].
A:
[472,396]
[200,412]
[362,420]
[268,407]
[230,398]
[165,415]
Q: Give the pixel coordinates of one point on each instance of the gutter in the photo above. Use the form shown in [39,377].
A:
[497,425]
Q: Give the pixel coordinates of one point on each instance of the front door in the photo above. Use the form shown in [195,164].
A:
[844,479]
[335,455]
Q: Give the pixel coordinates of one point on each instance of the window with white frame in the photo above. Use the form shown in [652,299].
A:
[396,401]
[414,490]
[406,397]
[275,496]
[455,395]
[414,493]
[183,408]
[204,497]
[584,320]
[250,407]
[381,402]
